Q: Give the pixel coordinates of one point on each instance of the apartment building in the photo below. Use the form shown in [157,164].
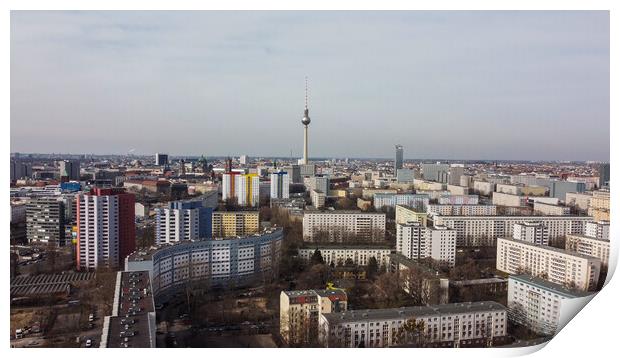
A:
[483,230]
[45,221]
[343,226]
[465,210]
[419,201]
[317,198]
[580,201]
[182,220]
[538,304]
[106,231]
[300,311]
[588,245]
[234,223]
[483,187]
[599,205]
[508,189]
[279,186]
[508,199]
[450,199]
[535,233]
[598,229]
[556,265]
[446,325]
[417,242]
[405,214]
[359,255]
[549,209]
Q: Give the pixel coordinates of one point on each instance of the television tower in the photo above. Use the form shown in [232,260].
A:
[305,121]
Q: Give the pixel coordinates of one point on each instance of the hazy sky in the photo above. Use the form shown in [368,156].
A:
[454,85]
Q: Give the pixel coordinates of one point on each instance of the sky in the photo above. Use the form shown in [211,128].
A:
[515,85]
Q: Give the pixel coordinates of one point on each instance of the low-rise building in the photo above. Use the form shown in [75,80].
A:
[300,311]
[549,209]
[446,325]
[338,255]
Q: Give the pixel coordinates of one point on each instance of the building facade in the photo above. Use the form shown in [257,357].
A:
[234,223]
[280,185]
[556,265]
[182,220]
[339,255]
[417,242]
[535,233]
[106,229]
[45,221]
[446,325]
[419,201]
[343,226]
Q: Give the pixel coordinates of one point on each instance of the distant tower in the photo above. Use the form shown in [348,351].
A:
[305,121]
[398,162]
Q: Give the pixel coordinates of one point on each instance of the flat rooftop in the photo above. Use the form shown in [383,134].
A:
[129,332]
[550,286]
[414,311]
[549,248]
[135,293]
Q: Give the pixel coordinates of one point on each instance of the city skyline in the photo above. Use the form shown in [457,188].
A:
[435,82]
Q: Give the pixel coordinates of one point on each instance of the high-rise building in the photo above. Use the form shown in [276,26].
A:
[106,228]
[398,160]
[456,171]
[45,221]
[417,242]
[435,171]
[69,170]
[279,185]
[182,220]
[603,175]
[319,183]
[20,170]
[248,190]
[161,159]
[243,160]
[229,183]
[294,173]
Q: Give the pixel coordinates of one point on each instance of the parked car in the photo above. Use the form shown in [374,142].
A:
[89,343]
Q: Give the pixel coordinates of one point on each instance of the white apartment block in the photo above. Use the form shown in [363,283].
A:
[458,190]
[318,198]
[318,183]
[483,187]
[581,201]
[173,225]
[279,185]
[417,242]
[549,209]
[228,185]
[340,226]
[248,190]
[391,200]
[508,189]
[465,210]
[538,304]
[453,325]
[508,199]
[590,246]
[483,230]
[556,265]
[98,227]
[458,199]
[536,233]
[598,229]
[339,255]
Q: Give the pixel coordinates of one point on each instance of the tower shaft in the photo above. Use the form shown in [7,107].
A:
[305,144]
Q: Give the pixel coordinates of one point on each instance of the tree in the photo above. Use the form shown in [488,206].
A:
[372,268]
[411,332]
[316,258]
